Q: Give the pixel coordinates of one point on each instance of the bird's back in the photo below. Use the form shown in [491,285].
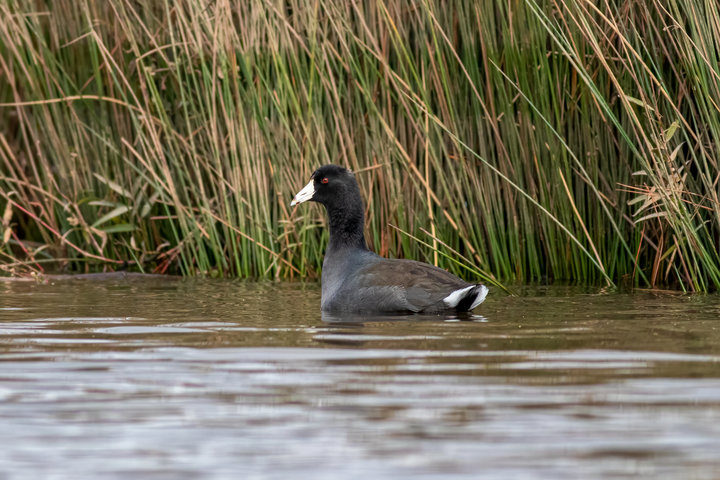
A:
[375,284]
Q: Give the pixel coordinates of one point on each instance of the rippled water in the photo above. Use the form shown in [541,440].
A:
[163,379]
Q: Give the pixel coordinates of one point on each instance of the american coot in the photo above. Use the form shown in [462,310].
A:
[354,279]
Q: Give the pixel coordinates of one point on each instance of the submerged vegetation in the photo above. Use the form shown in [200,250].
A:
[531,140]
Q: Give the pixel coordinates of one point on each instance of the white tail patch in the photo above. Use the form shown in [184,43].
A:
[480,297]
[457,296]
[454,298]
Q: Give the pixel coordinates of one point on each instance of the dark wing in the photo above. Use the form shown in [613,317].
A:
[397,285]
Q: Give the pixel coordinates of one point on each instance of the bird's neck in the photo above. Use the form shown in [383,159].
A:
[346,223]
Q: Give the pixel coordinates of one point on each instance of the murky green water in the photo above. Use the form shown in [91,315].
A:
[214,380]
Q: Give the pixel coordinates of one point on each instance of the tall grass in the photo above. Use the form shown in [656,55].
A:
[562,141]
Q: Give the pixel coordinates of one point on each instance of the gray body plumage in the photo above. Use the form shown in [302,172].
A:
[360,281]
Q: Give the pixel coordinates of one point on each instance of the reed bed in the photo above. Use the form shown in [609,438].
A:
[553,141]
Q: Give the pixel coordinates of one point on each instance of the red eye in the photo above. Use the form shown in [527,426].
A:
[324,180]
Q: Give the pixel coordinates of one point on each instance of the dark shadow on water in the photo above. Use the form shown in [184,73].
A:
[365,331]
[359,319]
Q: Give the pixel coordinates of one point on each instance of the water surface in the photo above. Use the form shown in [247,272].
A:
[163,379]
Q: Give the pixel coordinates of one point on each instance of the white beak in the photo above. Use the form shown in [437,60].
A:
[305,194]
